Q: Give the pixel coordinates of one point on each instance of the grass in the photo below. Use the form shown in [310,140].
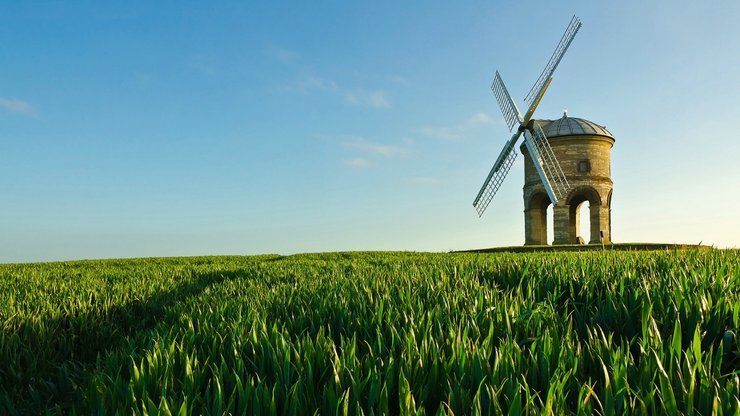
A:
[612,332]
[589,247]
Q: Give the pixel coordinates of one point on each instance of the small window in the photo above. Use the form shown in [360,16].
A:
[584,166]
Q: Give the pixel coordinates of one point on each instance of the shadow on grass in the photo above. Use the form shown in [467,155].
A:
[42,362]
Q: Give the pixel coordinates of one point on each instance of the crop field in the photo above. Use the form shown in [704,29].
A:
[375,333]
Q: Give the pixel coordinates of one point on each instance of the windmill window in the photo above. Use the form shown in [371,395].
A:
[584,166]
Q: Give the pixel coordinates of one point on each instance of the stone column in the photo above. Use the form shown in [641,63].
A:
[600,223]
[535,226]
[575,219]
[594,217]
[565,231]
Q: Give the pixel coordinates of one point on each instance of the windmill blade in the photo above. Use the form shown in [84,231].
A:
[505,151]
[508,106]
[547,166]
[539,87]
[495,177]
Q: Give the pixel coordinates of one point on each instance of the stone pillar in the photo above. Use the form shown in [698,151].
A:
[564,232]
[543,229]
[535,226]
[594,216]
[600,223]
[575,218]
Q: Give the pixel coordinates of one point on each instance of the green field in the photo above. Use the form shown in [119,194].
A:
[375,333]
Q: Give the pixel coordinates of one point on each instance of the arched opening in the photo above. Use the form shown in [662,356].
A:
[583,222]
[584,217]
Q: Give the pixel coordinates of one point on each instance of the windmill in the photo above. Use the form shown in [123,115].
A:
[547,166]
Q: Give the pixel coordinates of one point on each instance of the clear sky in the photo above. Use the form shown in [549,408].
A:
[138,128]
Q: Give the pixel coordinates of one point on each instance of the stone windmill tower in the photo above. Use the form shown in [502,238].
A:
[583,149]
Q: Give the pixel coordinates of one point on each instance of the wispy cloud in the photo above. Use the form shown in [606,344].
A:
[205,64]
[360,143]
[397,79]
[375,99]
[422,180]
[480,118]
[367,153]
[143,79]
[443,133]
[283,55]
[460,130]
[308,84]
[352,96]
[356,163]
[17,106]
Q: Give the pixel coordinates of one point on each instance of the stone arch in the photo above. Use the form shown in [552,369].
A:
[583,193]
[535,219]
[574,202]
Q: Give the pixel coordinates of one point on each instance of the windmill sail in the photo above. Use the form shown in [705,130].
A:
[548,168]
[497,174]
[544,79]
[493,181]
[508,106]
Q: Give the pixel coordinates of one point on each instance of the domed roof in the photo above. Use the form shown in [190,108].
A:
[571,126]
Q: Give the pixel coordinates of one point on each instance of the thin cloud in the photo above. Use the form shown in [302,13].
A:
[352,96]
[205,64]
[283,55]
[360,143]
[462,129]
[143,79]
[377,99]
[422,180]
[17,106]
[397,79]
[480,118]
[359,96]
[309,84]
[357,163]
[442,133]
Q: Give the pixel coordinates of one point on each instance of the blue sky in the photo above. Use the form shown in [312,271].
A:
[190,128]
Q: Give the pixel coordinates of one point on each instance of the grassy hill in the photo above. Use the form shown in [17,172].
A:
[651,332]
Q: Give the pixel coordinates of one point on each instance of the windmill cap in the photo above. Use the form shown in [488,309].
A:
[572,126]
